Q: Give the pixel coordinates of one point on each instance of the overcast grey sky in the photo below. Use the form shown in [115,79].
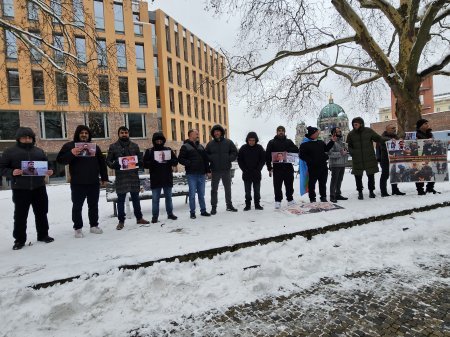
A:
[220,33]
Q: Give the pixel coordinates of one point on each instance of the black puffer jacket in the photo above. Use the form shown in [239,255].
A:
[160,172]
[251,159]
[424,135]
[12,159]
[83,170]
[221,151]
[194,158]
[314,153]
[280,144]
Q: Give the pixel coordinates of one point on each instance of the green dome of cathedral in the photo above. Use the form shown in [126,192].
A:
[332,110]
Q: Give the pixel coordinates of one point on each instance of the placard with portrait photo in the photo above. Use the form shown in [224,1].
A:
[34,168]
[128,163]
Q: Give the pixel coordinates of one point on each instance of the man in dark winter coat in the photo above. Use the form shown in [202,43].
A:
[195,160]
[26,190]
[251,160]
[314,153]
[84,179]
[423,131]
[338,158]
[383,158]
[126,180]
[360,144]
[282,172]
[161,174]
[221,153]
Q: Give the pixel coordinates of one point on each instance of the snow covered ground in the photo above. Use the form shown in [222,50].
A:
[117,301]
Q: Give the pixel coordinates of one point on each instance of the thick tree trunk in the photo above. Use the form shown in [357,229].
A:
[408,111]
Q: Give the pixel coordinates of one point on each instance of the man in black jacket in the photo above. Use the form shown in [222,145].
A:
[195,160]
[251,160]
[423,131]
[26,190]
[127,181]
[314,153]
[221,153]
[86,172]
[282,172]
[161,176]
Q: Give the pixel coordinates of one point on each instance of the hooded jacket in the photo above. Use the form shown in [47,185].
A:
[83,170]
[251,159]
[160,172]
[314,153]
[280,144]
[360,146]
[221,151]
[12,159]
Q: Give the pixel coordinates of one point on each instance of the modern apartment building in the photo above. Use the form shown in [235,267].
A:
[190,88]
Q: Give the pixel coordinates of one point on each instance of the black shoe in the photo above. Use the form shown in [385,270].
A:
[172,217]
[231,209]
[397,192]
[193,216]
[421,192]
[312,200]
[154,219]
[47,239]
[213,211]
[385,194]
[333,199]
[340,197]
[360,196]
[372,195]
[204,214]
[259,207]
[247,207]
[432,190]
[18,245]
[324,199]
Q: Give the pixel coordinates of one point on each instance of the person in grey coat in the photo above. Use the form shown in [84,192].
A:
[221,153]
[126,180]
[338,158]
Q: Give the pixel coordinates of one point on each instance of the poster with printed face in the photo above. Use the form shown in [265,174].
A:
[292,157]
[279,157]
[86,149]
[162,156]
[420,160]
[34,168]
[411,135]
[128,163]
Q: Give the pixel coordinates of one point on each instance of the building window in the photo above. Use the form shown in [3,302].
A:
[204,133]
[8,8]
[10,46]
[217,65]
[140,57]
[192,51]
[118,18]
[179,74]
[83,88]
[194,80]
[102,54]
[58,45]
[36,56]
[78,13]
[169,70]
[80,44]
[218,92]
[199,54]
[182,130]
[13,86]
[53,125]
[207,87]
[222,68]
[174,129]
[61,88]
[172,100]
[188,105]
[137,26]
[196,107]
[177,41]
[9,123]
[215,113]
[202,92]
[98,124]
[202,108]
[136,124]
[142,92]
[180,103]
[121,55]
[186,78]
[103,87]
[205,53]
[168,35]
[38,87]
[224,116]
[123,92]
[211,57]
[154,38]
[220,114]
[223,94]
[56,7]
[156,69]
[99,15]
[213,90]
[33,11]
[209,112]
[185,50]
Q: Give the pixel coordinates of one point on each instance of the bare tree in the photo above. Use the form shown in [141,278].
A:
[366,43]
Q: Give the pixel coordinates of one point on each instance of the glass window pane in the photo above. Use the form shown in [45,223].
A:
[53,125]
[11,45]
[136,125]
[101,53]
[13,85]
[57,10]
[78,13]
[103,85]
[121,55]
[38,86]
[140,61]
[8,8]
[118,18]
[58,44]
[33,11]
[97,122]
[80,44]
[83,88]
[142,90]
[36,56]
[123,91]
[9,123]
[99,15]
[61,88]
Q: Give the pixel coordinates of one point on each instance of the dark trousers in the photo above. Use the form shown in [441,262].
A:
[22,199]
[226,181]
[384,178]
[430,186]
[286,177]
[315,176]
[337,175]
[256,191]
[121,206]
[80,193]
[370,182]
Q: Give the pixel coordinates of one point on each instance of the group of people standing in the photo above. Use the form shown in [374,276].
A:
[89,173]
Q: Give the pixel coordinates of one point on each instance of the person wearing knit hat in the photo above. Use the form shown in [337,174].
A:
[338,159]
[423,131]
[26,190]
[281,172]
[314,153]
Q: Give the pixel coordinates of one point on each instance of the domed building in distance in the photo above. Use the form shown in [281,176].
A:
[332,115]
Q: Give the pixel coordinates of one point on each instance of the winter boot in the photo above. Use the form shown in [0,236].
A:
[46,239]
[340,197]
[258,206]
[18,245]
[172,217]
[421,191]
[333,198]
[193,215]
[323,199]
[154,219]
[360,195]
[396,191]
[230,208]
[432,190]
[214,210]
[371,194]
[247,206]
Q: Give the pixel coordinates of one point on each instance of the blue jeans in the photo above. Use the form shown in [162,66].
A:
[196,184]
[121,206]
[156,195]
